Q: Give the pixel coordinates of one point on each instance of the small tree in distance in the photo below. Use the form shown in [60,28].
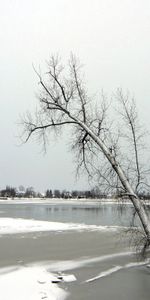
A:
[8,192]
[48,194]
[107,148]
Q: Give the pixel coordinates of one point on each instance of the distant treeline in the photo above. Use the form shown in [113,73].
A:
[29,192]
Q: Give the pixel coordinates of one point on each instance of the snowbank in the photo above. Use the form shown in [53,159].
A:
[32,283]
[12,225]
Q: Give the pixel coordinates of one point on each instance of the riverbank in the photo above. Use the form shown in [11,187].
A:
[88,201]
[60,200]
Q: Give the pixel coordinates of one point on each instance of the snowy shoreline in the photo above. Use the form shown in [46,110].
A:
[67,201]
[30,282]
[61,201]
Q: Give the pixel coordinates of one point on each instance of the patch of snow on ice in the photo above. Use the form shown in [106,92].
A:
[12,225]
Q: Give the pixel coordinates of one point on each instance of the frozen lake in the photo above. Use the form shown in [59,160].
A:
[96,254]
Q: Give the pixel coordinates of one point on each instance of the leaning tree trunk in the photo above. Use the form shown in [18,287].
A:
[57,100]
[138,205]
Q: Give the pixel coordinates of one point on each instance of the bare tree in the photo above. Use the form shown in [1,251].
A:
[97,141]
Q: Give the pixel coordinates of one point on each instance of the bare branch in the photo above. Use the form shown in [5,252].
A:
[130,115]
[96,140]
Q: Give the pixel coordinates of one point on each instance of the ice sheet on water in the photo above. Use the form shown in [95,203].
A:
[116,269]
[13,225]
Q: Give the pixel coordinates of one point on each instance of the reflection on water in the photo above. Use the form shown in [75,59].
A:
[94,214]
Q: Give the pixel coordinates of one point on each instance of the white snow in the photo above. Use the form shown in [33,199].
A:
[32,283]
[12,225]
[46,201]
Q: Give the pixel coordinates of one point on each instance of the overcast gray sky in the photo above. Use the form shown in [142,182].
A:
[112,40]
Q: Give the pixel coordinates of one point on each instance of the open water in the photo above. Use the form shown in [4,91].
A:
[95,213]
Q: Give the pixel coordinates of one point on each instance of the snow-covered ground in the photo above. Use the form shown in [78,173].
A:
[29,283]
[60,201]
[13,226]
